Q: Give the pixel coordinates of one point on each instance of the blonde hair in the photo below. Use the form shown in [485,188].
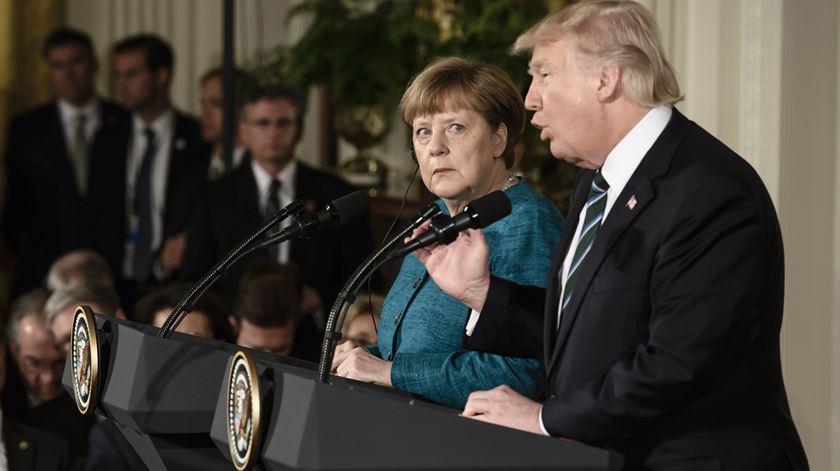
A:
[452,83]
[618,32]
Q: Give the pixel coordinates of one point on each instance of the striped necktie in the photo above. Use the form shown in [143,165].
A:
[595,205]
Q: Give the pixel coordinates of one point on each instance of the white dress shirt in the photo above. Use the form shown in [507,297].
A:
[217,164]
[164,128]
[287,195]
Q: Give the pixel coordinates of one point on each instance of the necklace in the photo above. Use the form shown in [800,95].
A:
[511,180]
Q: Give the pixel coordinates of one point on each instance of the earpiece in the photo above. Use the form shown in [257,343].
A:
[413,155]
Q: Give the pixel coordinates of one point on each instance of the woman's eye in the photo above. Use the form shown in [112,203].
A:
[423,132]
[455,127]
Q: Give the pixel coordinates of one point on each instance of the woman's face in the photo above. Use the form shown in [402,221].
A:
[460,156]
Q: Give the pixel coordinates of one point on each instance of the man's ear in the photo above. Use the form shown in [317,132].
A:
[234,324]
[120,314]
[609,83]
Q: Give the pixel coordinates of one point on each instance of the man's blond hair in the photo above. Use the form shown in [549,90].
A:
[613,32]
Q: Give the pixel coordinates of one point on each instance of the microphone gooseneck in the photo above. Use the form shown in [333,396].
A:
[305,225]
[348,292]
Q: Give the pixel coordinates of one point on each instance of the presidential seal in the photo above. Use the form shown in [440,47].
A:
[243,411]
[85,351]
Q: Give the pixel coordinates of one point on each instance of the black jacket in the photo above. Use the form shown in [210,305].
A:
[669,348]
[45,212]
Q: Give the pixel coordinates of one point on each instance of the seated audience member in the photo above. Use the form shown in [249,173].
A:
[79,265]
[268,311]
[361,320]
[39,364]
[25,448]
[212,118]
[61,307]
[208,319]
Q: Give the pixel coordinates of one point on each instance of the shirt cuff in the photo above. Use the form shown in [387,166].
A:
[473,320]
[542,426]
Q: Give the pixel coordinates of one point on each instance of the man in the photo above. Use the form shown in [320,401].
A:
[207,319]
[79,265]
[25,448]
[236,204]
[155,164]
[33,395]
[661,320]
[60,309]
[48,160]
[212,118]
[269,313]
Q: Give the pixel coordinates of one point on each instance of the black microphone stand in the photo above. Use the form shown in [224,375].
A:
[185,305]
[348,292]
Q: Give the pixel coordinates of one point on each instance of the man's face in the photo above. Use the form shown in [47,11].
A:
[270,131]
[137,85]
[565,102]
[62,324]
[212,110]
[71,73]
[40,361]
[277,340]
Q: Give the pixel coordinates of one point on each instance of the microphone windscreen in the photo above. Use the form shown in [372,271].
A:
[350,206]
[490,208]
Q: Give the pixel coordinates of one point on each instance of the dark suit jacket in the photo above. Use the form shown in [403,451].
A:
[44,209]
[110,450]
[231,212]
[669,348]
[187,170]
[30,449]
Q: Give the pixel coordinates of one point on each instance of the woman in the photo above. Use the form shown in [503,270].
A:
[465,119]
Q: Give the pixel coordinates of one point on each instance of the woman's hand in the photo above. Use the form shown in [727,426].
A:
[356,363]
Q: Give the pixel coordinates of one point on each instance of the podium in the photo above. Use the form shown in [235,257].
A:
[169,398]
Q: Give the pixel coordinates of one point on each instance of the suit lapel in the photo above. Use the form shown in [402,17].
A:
[640,187]
[20,448]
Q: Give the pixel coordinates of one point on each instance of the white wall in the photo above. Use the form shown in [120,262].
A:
[762,75]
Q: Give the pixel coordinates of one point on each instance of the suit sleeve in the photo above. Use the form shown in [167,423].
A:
[511,322]
[708,291]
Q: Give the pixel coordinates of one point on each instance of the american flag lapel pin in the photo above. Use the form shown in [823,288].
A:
[631,203]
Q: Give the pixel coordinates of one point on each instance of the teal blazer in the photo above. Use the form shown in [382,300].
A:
[421,328]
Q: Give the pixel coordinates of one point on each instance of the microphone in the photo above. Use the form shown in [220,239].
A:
[306,225]
[444,229]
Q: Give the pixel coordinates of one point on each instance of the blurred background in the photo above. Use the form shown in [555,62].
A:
[762,75]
